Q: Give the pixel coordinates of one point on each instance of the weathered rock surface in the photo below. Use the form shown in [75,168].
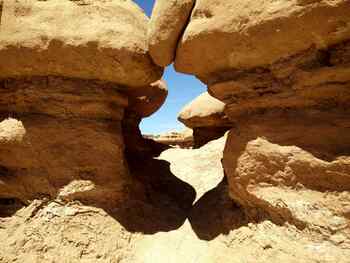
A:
[293,91]
[206,116]
[311,81]
[284,180]
[237,30]
[288,184]
[72,126]
[168,21]
[204,110]
[216,230]
[148,100]
[70,85]
[103,40]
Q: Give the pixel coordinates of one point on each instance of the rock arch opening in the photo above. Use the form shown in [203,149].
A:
[79,78]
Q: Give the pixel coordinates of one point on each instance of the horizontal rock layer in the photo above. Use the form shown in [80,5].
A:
[104,40]
[72,126]
[254,34]
[313,79]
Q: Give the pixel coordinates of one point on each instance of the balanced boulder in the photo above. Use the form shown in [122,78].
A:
[206,116]
[168,21]
[87,39]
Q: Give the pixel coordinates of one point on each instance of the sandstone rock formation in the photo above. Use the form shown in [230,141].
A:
[148,100]
[183,139]
[85,39]
[216,230]
[79,183]
[206,116]
[143,103]
[291,185]
[167,24]
[237,30]
[72,86]
[284,77]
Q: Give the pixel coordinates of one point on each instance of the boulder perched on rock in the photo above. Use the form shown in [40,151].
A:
[102,40]
[206,116]
[204,110]
[168,21]
[251,34]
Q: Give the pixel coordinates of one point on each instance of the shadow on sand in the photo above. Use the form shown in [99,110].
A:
[216,213]
[167,203]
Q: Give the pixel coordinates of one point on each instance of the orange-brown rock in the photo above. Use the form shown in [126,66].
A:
[71,128]
[104,40]
[183,139]
[65,71]
[168,21]
[206,116]
[223,35]
[148,100]
[288,184]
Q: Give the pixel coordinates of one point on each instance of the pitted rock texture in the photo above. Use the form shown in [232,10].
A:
[282,74]
[206,116]
[104,40]
[312,80]
[168,21]
[71,127]
[288,184]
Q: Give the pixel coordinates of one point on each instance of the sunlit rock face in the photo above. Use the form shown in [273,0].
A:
[205,115]
[69,70]
[168,21]
[282,69]
[86,39]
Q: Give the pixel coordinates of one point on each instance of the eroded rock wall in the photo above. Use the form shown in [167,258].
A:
[282,71]
[69,72]
[71,127]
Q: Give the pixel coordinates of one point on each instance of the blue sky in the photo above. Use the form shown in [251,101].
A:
[182,89]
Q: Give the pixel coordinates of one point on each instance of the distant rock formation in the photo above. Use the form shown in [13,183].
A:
[206,116]
[183,139]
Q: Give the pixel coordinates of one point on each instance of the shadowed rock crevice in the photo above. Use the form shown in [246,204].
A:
[166,199]
[9,206]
